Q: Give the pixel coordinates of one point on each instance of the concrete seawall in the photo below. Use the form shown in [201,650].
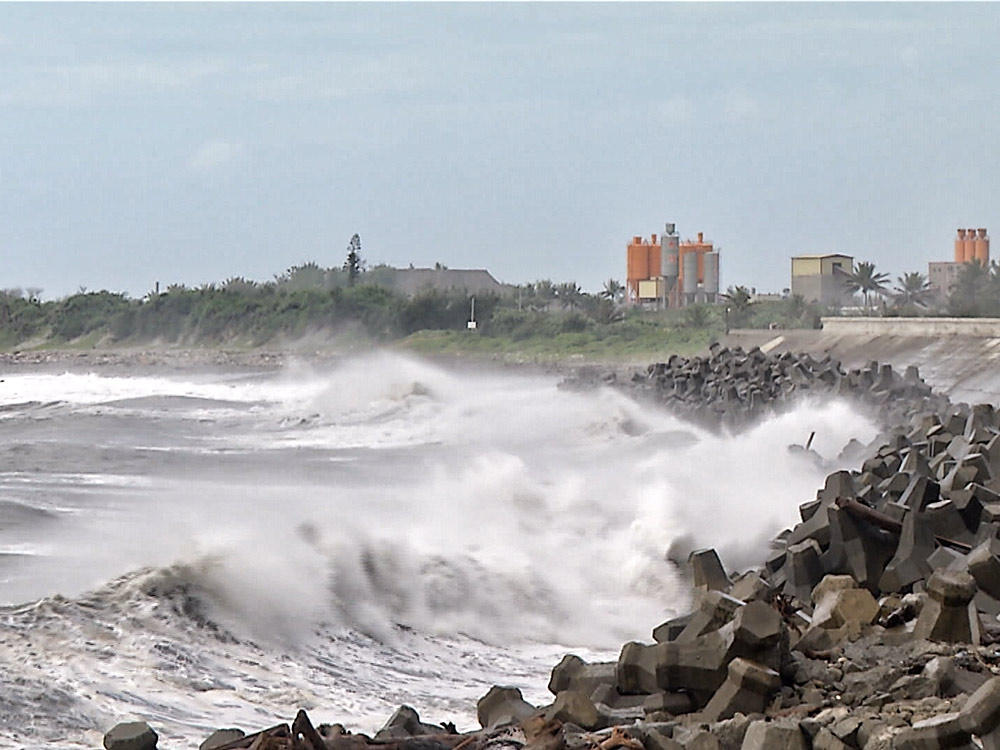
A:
[926,327]
[958,356]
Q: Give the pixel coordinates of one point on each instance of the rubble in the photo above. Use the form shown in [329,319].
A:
[871,624]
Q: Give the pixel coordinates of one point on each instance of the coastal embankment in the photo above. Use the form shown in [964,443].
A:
[957,356]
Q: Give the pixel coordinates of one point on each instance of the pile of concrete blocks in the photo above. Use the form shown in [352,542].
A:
[732,387]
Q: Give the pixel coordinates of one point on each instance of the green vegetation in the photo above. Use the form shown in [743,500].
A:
[538,320]
[976,292]
[867,280]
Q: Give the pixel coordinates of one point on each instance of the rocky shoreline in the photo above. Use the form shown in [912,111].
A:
[871,624]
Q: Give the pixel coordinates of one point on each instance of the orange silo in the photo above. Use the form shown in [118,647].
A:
[960,247]
[644,261]
[982,247]
[654,259]
[970,245]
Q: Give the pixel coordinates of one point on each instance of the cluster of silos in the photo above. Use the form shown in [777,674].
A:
[699,276]
[680,273]
[972,245]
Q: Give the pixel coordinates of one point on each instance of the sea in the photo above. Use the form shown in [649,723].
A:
[222,546]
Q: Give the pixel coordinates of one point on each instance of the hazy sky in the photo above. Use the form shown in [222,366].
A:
[190,143]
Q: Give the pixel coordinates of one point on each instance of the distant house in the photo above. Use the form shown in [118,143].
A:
[820,278]
[413,281]
[942,276]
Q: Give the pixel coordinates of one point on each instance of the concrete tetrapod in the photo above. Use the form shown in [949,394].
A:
[949,613]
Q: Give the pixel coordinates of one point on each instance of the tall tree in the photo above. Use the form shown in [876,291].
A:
[613,290]
[353,263]
[867,280]
[569,294]
[738,304]
[912,289]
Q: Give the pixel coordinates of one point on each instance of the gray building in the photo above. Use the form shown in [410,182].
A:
[821,278]
[942,277]
[413,281]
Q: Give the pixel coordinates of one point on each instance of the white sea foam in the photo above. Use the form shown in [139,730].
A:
[471,505]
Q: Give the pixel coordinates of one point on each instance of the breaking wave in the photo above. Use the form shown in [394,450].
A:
[353,526]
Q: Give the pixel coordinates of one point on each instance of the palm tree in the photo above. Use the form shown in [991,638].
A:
[613,290]
[912,289]
[569,294]
[738,302]
[864,279]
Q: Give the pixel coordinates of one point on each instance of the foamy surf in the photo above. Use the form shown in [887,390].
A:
[386,531]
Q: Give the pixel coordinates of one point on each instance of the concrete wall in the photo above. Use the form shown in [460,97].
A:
[825,289]
[929,327]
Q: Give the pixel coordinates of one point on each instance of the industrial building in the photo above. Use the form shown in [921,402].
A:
[671,273]
[821,278]
[413,281]
[970,245]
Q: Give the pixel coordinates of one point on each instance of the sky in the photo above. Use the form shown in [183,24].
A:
[190,143]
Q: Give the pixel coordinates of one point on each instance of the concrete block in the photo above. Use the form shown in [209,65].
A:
[747,690]
[945,557]
[774,735]
[669,630]
[221,737]
[858,550]
[698,667]
[826,740]
[714,610]
[610,697]
[637,667]
[758,625]
[749,587]
[806,510]
[573,673]
[909,564]
[803,568]
[667,702]
[981,712]
[945,520]
[573,707]
[930,734]
[656,740]
[707,571]
[404,723]
[949,614]
[984,565]
[845,606]
[502,705]
[920,493]
[131,735]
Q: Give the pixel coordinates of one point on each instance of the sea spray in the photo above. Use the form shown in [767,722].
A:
[339,538]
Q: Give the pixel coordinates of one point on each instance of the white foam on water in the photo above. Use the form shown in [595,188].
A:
[495,514]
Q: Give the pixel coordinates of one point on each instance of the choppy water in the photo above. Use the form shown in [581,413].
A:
[217,550]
